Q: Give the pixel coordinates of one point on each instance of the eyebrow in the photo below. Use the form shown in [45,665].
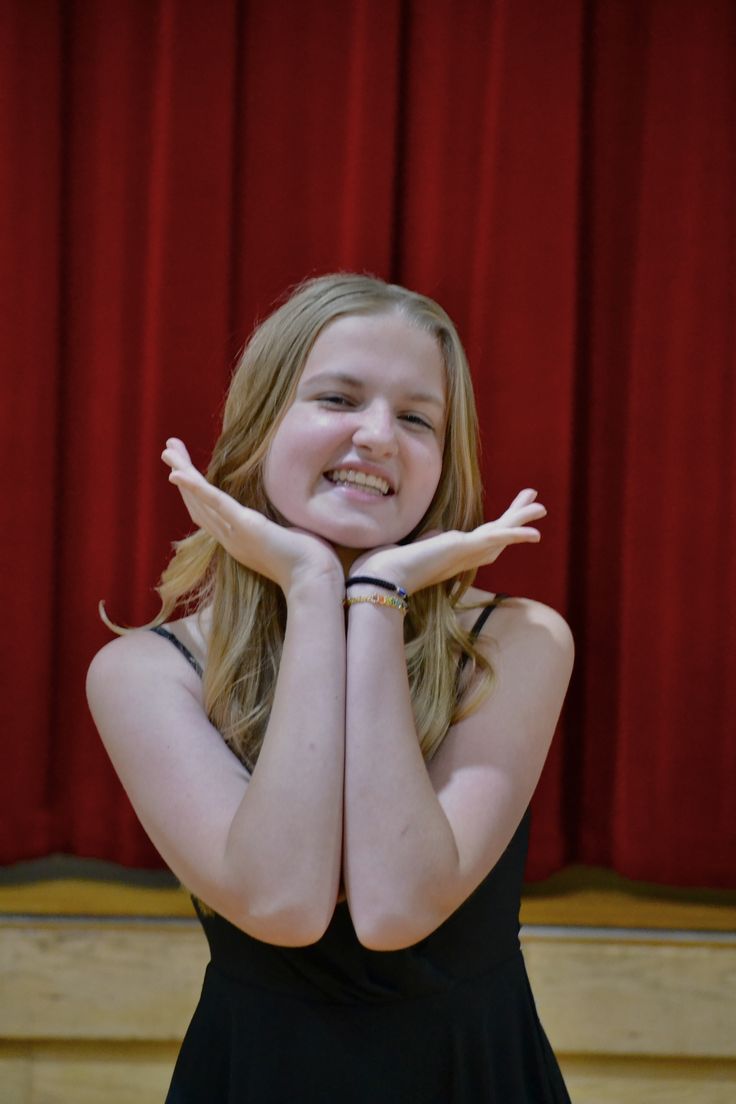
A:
[429,397]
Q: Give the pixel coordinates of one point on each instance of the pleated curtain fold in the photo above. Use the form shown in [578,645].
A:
[560,177]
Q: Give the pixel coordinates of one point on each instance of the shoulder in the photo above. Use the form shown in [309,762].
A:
[526,642]
[489,763]
[136,649]
[135,665]
[526,620]
[511,613]
[529,648]
[146,650]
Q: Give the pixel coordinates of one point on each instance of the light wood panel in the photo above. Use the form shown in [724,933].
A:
[81,897]
[611,902]
[94,1010]
[601,1080]
[16,1074]
[75,979]
[52,1073]
[94,980]
[75,1073]
[637,997]
[588,897]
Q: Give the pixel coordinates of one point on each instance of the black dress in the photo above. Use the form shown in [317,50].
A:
[450,1020]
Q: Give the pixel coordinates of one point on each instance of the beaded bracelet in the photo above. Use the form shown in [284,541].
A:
[383,583]
[397,603]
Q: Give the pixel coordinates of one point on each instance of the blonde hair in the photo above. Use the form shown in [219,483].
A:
[248,610]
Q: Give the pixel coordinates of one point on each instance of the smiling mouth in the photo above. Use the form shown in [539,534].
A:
[347,477]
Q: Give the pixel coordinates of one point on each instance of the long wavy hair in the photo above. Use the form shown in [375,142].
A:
[248,611]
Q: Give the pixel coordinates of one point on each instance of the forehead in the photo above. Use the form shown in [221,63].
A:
[371,345]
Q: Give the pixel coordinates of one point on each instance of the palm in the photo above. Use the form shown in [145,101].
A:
[438,557]
[275,551]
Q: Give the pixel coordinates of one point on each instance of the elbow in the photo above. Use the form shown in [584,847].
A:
[384,940]
[297,924]
[277,907]
[394,931]
[303,927]
[389,920]
[389,937]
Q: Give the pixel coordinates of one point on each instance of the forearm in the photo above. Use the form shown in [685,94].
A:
[399,847]
[285,844]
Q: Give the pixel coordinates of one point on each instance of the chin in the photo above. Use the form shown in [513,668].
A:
[358,542]
[351,537]
[363,538]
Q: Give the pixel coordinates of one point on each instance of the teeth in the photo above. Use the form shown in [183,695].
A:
[348,475]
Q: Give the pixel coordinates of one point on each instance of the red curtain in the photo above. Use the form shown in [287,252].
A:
[561,177]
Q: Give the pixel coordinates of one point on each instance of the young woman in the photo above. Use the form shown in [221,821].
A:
[337,755]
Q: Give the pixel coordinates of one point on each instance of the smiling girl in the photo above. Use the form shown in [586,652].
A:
[337,757]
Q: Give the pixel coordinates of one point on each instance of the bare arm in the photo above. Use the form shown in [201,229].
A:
[263,851]
[419,840]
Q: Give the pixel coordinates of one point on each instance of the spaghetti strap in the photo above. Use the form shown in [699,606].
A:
[480,621]
[485,614]
[161,631]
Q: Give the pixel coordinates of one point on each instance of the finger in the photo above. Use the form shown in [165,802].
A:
[216,511]
[517,519]
[522,533]
[493,536]
[188,476]
[177,445]
[190,485]
[210,496]
[533,512]
[175,455]
[176,460]
[206,505]
[525,535]
[206,518]
[524,497]
[521,512]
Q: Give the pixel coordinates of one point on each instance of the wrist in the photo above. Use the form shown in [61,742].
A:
[378,601]
[354,582]
[376,591]
[322,588]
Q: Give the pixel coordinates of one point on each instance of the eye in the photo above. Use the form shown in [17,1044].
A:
[417,420]
[335,400]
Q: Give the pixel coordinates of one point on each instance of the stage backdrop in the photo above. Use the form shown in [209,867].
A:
[560,176]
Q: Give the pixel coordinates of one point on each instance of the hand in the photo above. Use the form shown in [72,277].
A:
[286,556]
[436,557]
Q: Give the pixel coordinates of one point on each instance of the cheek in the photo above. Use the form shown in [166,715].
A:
[289,468]
[430,467]
[281,455]
[280,489]
[433,475]
[276,467]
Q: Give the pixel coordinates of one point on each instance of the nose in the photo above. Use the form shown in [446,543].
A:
[376,430]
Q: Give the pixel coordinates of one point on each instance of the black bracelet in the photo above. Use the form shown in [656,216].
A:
[355,579]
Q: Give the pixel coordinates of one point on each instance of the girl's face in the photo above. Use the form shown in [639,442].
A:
[357,456]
